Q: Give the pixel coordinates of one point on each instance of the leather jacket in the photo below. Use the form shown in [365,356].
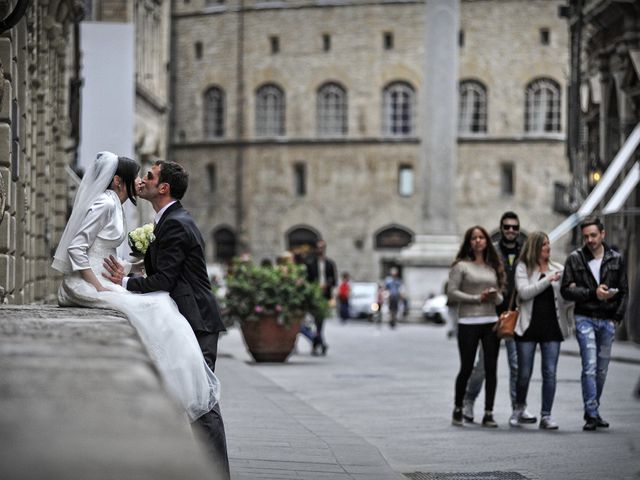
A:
[613,274]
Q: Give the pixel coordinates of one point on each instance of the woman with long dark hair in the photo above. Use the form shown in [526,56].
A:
[476,281]
[543,320]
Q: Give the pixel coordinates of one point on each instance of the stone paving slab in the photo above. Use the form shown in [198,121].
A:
[80,399]
[272,434]
[394,389]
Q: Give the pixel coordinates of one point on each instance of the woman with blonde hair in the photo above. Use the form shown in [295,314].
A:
[476,281]
[543,320]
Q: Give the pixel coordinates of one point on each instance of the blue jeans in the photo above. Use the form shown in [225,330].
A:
[595,337]
[526,353]
[477,376]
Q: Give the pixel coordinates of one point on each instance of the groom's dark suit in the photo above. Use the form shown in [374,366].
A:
[175,263]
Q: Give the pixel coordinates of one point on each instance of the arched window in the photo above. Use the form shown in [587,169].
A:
[331,110]
[393,237]
[270,109]
[472,111]
[542,107]
[214,113]
[398,109]
[225,244]
[301,236]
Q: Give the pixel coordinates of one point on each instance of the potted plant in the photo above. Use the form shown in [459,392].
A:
[270,303]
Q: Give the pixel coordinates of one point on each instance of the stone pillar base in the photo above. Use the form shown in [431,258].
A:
[425,266]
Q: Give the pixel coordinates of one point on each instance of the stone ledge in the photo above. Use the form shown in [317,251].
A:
[80,399]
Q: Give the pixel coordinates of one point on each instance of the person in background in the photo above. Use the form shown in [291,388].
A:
[476,282]
[344,291]
[321,270]
[595,278]
[543,320]
[393,286]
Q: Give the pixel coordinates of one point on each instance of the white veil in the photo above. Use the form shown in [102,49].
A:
[94,183]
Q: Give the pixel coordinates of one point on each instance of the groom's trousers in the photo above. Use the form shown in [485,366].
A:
[209,428]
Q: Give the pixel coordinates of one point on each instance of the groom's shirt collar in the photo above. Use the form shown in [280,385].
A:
[158,216]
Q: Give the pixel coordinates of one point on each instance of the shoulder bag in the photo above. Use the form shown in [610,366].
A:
[506,324]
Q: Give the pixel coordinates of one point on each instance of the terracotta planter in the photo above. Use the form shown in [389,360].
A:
[267,340]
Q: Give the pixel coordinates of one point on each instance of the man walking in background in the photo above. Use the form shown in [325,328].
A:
[321,270]
[595,277]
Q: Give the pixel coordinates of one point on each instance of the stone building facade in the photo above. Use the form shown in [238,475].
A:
[606,109]
[38,135]
[151,20]
[40,97]
[301,119]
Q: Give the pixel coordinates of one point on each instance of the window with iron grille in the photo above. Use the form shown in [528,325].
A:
[331,110]
[212,177]
[270,111]
[405,180]
[300,179]
[507,179]
[214,112]
[542,107]
[472,111]
[398,107]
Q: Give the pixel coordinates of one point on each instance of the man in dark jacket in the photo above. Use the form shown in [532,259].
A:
[595,278]
[175,263]
[321,270]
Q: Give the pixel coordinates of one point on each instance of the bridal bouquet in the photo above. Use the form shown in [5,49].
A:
[140,238]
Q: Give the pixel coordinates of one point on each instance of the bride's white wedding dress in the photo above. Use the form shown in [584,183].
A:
[165,333]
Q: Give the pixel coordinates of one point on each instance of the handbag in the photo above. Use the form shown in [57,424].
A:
[506,324]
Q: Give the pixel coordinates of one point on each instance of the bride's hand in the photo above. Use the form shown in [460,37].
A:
[115,271]
[103,289]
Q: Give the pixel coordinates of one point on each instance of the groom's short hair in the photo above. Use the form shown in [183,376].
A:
[176,176]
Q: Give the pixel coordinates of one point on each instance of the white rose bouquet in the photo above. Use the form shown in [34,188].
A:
[140,238]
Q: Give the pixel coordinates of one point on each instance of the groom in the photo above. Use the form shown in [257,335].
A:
[175,263]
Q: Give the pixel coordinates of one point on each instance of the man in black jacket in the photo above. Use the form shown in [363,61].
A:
[595,278]
[321,270]
[175,263]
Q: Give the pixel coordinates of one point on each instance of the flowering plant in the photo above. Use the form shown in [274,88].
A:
[140,238]
[282,290]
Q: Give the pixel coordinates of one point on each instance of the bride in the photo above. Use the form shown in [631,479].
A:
[94,231]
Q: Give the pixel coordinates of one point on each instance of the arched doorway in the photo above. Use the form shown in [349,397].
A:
[302,239]
[225,244]
[389,240]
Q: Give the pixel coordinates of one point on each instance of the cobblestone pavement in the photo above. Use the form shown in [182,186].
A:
[388,394]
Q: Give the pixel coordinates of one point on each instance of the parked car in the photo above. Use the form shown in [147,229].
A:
[363,301]
[435,309]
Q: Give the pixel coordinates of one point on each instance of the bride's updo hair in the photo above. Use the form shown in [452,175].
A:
[128,171]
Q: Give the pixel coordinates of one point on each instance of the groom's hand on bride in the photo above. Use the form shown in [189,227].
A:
[115,271]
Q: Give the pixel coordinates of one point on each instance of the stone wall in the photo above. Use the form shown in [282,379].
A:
[34,109]
[352,182]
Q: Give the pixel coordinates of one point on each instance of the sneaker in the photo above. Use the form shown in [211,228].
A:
[547,423]
[514,420]
[456,418]
[527,417]
[591,424]
[488,421]
[467,412]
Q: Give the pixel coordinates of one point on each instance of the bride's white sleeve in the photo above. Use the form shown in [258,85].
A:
[97,217]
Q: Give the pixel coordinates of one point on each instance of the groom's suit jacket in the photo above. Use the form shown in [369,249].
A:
[175,262]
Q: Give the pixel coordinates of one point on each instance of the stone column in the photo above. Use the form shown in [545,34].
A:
[427,261]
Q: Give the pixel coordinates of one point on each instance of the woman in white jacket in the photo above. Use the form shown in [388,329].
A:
[543,320]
